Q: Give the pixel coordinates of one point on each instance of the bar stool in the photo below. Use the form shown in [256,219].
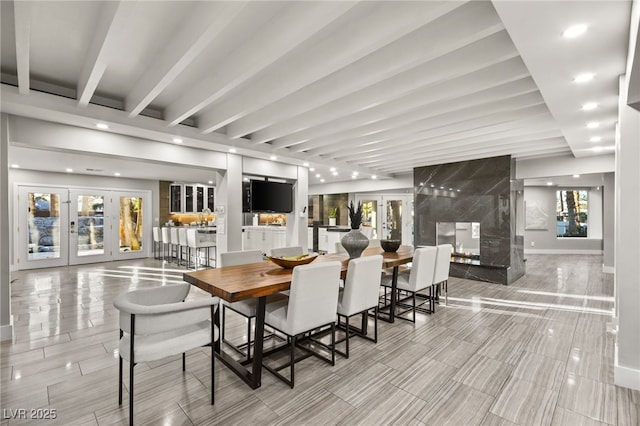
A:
[193,242]
[166,241]
[158,245]
[182,245]
[175,243]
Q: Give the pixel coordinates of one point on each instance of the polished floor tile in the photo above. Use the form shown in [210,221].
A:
[537,352]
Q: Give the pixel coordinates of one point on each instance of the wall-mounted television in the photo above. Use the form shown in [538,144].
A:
[269,197]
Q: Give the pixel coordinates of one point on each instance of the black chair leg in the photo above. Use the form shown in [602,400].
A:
[184,361]
[120,374]
[375,324]
[333,341]
[292,358]
[213,357]
[347,339]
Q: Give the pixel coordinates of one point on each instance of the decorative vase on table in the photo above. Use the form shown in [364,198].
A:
[354,241]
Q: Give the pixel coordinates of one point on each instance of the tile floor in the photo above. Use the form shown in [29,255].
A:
[537,352]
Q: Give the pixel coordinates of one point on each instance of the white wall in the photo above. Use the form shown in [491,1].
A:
[564,166]
[5,236]
[546,241]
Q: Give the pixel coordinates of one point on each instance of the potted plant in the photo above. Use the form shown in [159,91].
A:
[333,214]
[355,241]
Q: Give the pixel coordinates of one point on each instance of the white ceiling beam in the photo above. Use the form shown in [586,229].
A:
[426,159]
[470,90]
[207,21]
[382,23]
[502,139]
[448,122]
[472,106]
[297,23]
[401,55]
[22,24]
[535,119]
[113,21]
[493,50]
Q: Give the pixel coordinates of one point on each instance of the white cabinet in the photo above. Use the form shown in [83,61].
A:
[191,198]
[327,240]
[263,238]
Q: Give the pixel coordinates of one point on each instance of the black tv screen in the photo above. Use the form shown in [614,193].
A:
[272,197]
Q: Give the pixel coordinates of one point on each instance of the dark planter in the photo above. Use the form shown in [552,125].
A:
[354,243]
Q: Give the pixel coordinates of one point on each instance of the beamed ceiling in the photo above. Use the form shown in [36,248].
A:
[374,87]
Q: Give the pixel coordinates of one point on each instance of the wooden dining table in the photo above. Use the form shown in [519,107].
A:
[259,280]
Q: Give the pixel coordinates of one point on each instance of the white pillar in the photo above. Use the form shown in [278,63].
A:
[229,206]
[297,220]
[627,244]
[5,289]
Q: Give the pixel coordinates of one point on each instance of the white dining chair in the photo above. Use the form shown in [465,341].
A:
[360,295]
[245,308]
[175,243]
[156,323]
[287,251]
[418,277]
[311,305]
[441,273]
[183,249]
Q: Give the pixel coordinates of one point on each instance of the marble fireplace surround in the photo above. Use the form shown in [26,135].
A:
[483,191]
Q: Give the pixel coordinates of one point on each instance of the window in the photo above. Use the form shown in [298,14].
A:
[572,213]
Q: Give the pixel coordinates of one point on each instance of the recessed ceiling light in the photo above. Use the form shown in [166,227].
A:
[210,182]
[549,183]
[353,176]
[245,179]
[332,169]
[450,189]
[177,140]
[589,106]
[116,174]
[102,126]
[355,173]
[233,150]
[15,166]
[575,31]
[374,177]
[305,164]
[322,180]
[595,139]
[432,186]
[442,187]
[69,170]
[457,190]
[312,169]
[317,175]
[273,157]
[583,78]
[335,173]
[576,176]
[593,125]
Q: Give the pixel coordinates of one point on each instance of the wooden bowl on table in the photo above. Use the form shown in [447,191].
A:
[289,262]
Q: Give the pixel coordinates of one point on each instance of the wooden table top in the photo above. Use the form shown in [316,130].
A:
[234,283]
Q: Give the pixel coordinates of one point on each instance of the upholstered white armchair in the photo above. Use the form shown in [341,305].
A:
[156,323]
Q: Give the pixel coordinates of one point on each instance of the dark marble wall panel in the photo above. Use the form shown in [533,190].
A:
[483,191]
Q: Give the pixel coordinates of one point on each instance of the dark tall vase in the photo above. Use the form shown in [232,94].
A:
[354,243]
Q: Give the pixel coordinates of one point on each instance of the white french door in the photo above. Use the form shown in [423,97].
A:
[61,226]
[388,216]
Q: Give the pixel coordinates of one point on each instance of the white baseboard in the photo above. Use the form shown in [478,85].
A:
[562,251]
[6,332]
[626,377]
[608,269]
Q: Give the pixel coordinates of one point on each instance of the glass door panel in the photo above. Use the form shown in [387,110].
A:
[88,226]
[131,235]
[199,198]
[370,218]
[131,224]
[44,212]
[393,220]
